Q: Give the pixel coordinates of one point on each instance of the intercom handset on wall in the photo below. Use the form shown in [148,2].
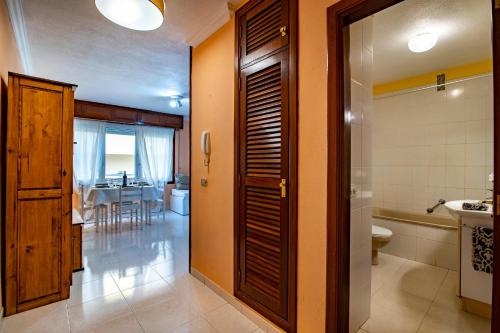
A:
[205,146]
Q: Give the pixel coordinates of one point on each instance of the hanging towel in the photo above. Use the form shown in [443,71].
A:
[482,249]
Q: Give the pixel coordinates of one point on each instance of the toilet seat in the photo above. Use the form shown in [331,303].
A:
[380,232]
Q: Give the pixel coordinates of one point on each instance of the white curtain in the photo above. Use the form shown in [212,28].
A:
[156,148]
[88,151]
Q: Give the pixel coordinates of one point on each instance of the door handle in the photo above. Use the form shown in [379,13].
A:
[283,188]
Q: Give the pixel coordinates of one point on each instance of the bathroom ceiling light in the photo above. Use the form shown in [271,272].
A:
[141,15]
[422,42]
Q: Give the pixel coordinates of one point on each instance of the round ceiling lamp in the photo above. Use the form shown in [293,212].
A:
[422,42]
[141,15]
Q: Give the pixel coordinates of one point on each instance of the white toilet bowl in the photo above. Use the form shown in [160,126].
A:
[380,238]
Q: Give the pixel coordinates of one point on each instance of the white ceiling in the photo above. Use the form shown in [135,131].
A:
[463,27]
[69,40]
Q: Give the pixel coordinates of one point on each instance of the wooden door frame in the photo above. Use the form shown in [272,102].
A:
[340,16]
[291,324]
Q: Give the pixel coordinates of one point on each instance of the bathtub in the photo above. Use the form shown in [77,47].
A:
[426,238]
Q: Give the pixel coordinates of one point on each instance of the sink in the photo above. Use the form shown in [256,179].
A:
[455,208]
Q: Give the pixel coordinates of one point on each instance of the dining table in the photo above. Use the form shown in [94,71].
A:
[105,195]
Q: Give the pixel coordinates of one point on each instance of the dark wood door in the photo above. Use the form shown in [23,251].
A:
[263,177]
[38,193]
[265,204]
[263,29]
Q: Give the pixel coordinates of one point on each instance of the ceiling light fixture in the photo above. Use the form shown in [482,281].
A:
[141,15]
[175,102]
[422,42]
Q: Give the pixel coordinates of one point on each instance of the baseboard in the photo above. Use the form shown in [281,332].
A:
[2,313]
[476,307]
[252,315]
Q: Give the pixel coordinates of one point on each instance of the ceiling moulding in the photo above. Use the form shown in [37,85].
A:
[18,25]
[221,17]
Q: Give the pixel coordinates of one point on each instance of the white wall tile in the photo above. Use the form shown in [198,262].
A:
[455,176]
[475,154]
[402,246]
[455,133]
[455,155]
[430,145]
[475,177]
[475,131]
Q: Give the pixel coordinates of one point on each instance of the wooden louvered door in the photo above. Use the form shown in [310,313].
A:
[265,204]
[263,29]
[263,168]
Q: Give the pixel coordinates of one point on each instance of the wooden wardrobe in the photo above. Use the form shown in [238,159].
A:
[38,187]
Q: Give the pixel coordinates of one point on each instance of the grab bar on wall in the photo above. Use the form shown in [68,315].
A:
[439,203]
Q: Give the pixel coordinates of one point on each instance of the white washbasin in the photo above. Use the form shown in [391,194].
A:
[455,208]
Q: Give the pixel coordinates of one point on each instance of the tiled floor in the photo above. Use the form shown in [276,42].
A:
[135,281]
[411,297]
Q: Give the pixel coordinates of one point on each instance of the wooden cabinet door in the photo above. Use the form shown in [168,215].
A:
[38,193]
[263,29]
[263,167]
[266,166]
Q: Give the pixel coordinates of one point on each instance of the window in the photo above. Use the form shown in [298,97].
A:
[120,154]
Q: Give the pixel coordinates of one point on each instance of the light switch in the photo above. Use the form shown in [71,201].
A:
[204,182]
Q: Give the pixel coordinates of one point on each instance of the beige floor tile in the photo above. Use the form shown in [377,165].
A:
[418,279]
[259,330]
[199,325]
[122,324]
[149,294]
[185,282]
[52,318]
[227,319]
[383,320]
[80,293]
[204,299]
[97,311]
[165,316]
[447,294]
[451,320]
[134,278]
[394,310]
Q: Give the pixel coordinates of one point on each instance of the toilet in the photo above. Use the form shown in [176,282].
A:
[380,238]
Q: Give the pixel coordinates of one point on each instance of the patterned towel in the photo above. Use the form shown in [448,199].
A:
[482,249]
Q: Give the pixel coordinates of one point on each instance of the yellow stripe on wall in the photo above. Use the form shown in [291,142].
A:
[452,73]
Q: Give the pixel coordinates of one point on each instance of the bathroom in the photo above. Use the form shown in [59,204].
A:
[421,127]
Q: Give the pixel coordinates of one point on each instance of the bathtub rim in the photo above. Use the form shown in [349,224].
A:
[427,220]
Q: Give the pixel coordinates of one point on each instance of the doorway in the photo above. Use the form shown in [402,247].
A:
[343,127]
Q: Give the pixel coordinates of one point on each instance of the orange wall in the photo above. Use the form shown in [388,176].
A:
[213,110]
[212,207]
[9,61]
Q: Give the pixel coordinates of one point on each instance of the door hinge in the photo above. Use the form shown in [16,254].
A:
[239,276]
[283,188]
[283,31]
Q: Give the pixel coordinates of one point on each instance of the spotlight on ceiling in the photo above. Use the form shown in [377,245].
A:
[141,15]
[422,42]
[175,102]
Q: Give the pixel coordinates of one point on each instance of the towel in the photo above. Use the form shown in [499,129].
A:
[482,249]
[474,206]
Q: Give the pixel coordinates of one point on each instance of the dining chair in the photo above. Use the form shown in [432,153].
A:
[84,205]
[130,199]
